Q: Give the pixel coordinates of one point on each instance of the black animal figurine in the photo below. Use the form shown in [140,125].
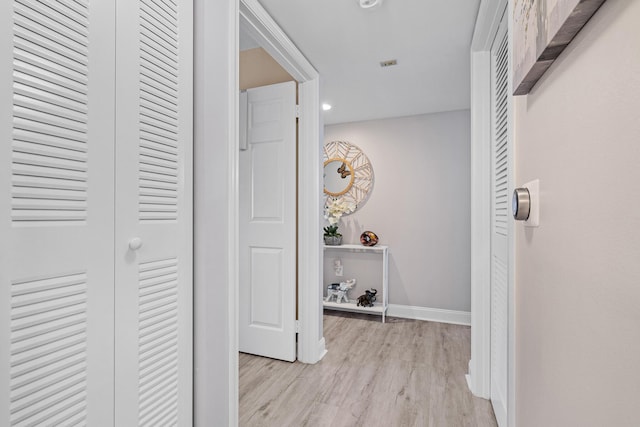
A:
[368,298]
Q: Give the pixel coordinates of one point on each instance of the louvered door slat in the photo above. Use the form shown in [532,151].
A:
[74,8]
[72,37]
[53,50]
[169,7]
[41,66]
[34,148]
[158,58]
[152,158]
[157,104]
[43,80]
[159,83]
[48,360]
[500,137]
[60,12]
[49,108]
[165,21]
[159,117]
[154,53]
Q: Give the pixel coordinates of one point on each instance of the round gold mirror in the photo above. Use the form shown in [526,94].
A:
[348,174]
[338,177]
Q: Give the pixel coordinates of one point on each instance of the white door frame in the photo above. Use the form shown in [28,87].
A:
[255,20]
[216,148]
[479,377]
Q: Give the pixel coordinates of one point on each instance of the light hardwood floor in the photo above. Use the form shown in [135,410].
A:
[401,373]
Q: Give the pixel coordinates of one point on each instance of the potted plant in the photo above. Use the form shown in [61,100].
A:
[334,209]
[331,236]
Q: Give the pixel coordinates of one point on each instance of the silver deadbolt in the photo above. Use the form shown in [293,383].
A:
[521,204]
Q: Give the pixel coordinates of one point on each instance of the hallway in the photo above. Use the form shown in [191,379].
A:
[402,373]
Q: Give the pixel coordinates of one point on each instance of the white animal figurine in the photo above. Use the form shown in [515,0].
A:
[344,288]
[331,293]
[341,292]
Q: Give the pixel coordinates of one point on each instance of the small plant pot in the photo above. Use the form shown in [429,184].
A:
[333,240]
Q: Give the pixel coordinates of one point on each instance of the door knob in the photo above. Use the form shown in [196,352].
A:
[135,243]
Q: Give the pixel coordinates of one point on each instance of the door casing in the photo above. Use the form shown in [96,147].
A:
[216,182]
[264,30]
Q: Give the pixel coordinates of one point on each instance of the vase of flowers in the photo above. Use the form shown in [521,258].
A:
[334,209]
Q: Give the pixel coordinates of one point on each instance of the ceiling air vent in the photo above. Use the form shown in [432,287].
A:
[388,63]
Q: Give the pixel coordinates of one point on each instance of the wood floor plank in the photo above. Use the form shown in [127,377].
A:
[399,373]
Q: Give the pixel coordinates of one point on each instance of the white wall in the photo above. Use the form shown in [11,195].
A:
[578,274]
[419,206]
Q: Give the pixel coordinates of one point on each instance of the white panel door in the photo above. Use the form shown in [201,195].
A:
[268,224]
[153,287]
[500,222]
[56,202]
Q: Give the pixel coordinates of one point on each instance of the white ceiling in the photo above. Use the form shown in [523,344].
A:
[429,38]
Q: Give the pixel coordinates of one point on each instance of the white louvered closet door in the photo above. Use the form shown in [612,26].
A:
[154,198]
[500,222]
[93,156]
[56,202]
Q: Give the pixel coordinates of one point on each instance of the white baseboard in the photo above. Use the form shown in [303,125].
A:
[322,349]
[430,314]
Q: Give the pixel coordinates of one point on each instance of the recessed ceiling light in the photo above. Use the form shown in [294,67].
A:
[326,107]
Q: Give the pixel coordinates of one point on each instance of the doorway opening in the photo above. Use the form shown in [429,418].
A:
[264,32]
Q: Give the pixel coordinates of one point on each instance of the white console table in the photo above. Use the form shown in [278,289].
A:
[380,307]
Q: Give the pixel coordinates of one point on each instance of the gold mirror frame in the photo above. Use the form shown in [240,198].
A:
[358,191]
[346,165]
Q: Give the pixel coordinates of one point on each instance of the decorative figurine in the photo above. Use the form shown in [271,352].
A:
[339,290]
[332,291]
[369,238]
[368,298]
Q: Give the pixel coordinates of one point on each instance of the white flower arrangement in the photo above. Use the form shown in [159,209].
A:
[333,211]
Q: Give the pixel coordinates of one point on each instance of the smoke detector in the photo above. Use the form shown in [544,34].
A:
[368,4]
